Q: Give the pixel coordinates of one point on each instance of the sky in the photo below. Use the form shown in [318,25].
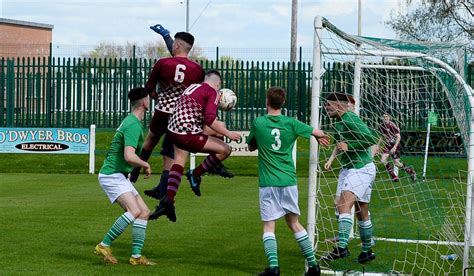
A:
[225,23]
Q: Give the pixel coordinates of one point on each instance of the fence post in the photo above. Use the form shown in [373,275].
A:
[301,54]
[48,97]
[217,54]
[10,92]
[134,66]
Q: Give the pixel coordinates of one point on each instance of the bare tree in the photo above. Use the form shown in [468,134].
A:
[436,20]
[151,50]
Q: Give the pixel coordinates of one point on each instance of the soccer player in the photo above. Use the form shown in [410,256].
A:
[219,170]
[120,160]
[173,75]
[274,136]
[354,141]
[391,147]
[328,166]
[194,109]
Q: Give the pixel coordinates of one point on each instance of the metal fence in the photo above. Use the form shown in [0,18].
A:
[77,92]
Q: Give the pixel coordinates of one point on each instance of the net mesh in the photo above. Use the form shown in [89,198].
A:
[416,222]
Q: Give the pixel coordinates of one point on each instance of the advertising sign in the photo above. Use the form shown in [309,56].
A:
[44,140]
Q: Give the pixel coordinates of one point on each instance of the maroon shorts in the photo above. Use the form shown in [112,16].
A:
[188,142]
[159,123]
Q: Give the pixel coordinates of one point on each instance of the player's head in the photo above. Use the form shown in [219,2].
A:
[138,98]
[213,78]
[338,103]
[386,117]
[276,97]
[183,43]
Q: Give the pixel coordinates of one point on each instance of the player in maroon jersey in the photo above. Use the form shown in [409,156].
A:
[173,75]
[219,170]
[164,76]
[196,108]
[391,147]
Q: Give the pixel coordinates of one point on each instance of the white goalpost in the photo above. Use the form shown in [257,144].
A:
[416,223]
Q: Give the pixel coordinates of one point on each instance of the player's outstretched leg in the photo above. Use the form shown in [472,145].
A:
[103,248]
[221,170]
[218,152]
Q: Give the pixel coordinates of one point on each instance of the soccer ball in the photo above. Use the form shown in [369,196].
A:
[228,99]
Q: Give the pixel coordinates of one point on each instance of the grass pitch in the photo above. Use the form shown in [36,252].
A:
[55,221]
[55,214]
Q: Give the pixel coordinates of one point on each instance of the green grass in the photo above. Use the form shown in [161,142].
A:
[57,213]
[54,222]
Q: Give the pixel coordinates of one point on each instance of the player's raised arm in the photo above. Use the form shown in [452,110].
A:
[159,29]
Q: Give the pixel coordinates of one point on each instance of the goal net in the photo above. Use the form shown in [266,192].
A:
[422,225]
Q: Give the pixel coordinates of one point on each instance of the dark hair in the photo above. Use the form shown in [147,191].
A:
[276,97]
[186,37]
[137,93]
[213,72]
[340,97]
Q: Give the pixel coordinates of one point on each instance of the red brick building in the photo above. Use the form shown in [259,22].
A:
[24,39]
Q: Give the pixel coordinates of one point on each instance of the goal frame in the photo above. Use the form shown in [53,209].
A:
[314,170]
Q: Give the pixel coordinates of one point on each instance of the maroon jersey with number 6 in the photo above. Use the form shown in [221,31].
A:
[195,108]
[173,75]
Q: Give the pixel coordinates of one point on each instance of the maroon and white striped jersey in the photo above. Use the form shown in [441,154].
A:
[195,108]
[174,75]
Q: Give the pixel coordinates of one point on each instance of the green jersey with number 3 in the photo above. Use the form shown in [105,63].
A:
[275,137]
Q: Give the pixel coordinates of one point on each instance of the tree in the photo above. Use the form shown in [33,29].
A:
[436,21]
[149,50]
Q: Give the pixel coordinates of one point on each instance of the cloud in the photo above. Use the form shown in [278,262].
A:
[224,23]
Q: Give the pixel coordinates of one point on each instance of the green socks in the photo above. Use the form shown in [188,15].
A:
[138,237]
[117,228]
[270,246]
[366,231]
[306,247]
[345,225]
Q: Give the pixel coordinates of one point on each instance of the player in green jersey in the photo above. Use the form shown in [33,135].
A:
[121,158]
[354,140]
[274,136]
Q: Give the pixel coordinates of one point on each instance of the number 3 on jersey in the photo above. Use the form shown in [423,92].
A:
[276,133]
[179,73]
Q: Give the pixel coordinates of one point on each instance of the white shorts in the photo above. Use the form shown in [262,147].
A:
[275,202]
[358,181]
[116,184]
